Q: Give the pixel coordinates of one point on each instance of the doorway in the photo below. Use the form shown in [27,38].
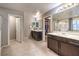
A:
[47,26]
[14,28]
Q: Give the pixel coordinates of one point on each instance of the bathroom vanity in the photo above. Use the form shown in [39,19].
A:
[63,44]
[36,34]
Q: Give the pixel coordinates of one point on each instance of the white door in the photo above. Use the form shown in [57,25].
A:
[18,30]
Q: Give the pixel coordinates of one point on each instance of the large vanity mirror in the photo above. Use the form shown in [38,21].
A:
[61,25]
[64,25]
[37,25]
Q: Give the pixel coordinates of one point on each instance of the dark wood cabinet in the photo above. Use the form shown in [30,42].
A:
[53,45]
[37,35]
[63,46]
[69,49]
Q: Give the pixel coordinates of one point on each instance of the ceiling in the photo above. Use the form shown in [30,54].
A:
[30,7]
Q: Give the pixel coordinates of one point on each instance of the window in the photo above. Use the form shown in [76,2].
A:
[75,24]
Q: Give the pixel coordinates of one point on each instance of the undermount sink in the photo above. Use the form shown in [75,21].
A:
[63,33]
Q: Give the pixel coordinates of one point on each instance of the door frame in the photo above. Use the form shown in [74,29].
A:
[51,19]
[9,26]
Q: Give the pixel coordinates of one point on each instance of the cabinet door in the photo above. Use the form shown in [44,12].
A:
[53,44]
[69,50]
[49,43]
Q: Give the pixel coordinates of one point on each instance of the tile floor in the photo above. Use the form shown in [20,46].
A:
[28,47]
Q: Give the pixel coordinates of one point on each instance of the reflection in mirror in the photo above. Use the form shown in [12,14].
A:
[37,24]
[61,25]
[75,24]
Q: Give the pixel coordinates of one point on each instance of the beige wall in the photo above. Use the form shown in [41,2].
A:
[28,18]
[4,13]
[12,23]
[27,23]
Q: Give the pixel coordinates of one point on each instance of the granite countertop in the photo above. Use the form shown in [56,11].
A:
[70,38]
[37,30]
[65,34]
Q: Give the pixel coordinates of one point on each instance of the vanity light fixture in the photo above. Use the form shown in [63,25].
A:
[37,16]
[66,6]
